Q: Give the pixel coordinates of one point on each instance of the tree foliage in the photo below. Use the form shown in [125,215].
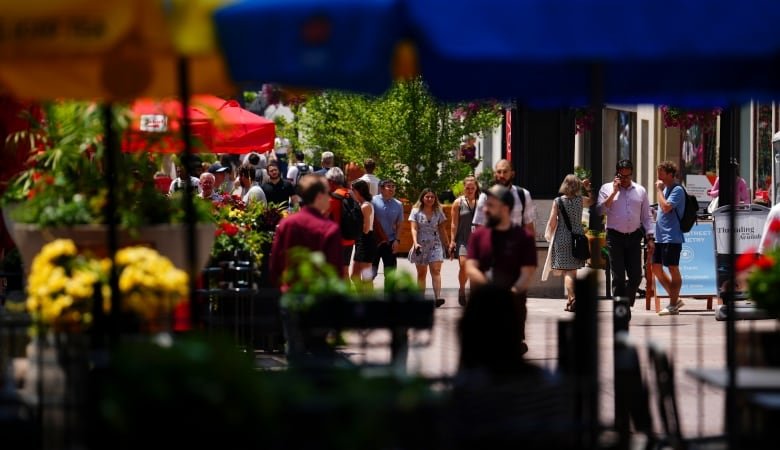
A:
[413,138]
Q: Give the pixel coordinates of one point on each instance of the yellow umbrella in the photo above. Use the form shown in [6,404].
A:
[108,49]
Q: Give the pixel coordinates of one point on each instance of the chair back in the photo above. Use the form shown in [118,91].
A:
[667,399]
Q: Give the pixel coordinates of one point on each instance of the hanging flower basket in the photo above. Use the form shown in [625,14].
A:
[685,119]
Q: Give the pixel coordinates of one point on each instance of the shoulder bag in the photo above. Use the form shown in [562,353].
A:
[580,247]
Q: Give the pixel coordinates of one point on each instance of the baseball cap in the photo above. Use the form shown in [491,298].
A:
[327,155]
[386,181]
[217,168]
[503,194]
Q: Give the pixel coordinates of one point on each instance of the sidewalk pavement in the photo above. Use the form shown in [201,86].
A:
[694,338]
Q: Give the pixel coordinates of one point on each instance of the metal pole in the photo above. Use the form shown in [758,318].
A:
[110,177]
[730,126]
[621,315]
[189,206]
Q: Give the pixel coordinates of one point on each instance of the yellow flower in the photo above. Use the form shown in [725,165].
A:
[61,285]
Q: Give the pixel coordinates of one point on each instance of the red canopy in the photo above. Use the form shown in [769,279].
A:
[218,126]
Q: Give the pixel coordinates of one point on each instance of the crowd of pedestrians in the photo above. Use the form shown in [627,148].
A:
[491,232]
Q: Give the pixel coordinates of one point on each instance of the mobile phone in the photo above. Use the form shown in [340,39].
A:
[418,251]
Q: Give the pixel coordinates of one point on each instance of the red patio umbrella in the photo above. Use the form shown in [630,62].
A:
[218,126]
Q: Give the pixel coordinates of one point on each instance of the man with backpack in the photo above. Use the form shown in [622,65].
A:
[669,235]
[523,212]
[346,212]
[298,169]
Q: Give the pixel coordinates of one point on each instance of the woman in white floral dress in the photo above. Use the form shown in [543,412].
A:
[429,225]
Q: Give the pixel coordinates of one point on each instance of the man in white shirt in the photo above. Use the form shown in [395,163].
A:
[178,183]
[298,168]
[523,212]
[369,177]
[249,191]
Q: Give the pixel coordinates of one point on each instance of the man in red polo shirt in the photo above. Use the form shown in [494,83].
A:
[337,185]
[310,228]
[503,254]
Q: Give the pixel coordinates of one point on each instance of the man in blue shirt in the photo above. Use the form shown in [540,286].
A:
[389,212]
[668,235]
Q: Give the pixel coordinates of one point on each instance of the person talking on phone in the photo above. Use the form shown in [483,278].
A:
[627,208]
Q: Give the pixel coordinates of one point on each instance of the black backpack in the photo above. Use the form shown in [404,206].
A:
[351,217]
[521,194]
[690,215]
[303,169]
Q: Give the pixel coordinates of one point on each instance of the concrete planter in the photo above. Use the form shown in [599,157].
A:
[168,239]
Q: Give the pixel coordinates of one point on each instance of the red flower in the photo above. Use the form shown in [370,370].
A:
[218,232]
[230,229]
[746,261]
[774,227]
[765,263]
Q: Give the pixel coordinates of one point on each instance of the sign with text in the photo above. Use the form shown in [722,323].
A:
[697,263]
[749,223]
[154,123]
[698,185]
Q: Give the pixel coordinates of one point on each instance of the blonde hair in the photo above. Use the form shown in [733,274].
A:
[476,183]
[571,185]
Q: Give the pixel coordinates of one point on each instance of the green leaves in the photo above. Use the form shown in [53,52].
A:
[413,138]
[66,182]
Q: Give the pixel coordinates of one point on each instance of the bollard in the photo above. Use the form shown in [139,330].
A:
[566,346]
[621,313]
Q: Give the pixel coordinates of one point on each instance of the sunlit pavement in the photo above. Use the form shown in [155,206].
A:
[693,338]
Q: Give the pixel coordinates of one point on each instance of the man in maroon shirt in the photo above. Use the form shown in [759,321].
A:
[502,254]
[310,228]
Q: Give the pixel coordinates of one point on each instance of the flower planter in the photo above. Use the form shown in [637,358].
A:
[305,330]
[168,239]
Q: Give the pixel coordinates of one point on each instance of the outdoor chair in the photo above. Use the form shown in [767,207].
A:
[632,398]
[667,407]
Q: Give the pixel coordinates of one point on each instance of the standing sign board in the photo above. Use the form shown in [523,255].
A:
[697,264]
[749,225]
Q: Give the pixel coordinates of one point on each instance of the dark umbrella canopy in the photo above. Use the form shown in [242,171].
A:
[540,52]
[342,44]
[556,52]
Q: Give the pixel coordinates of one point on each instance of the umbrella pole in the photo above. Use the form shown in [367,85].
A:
[189,206]
[111,222]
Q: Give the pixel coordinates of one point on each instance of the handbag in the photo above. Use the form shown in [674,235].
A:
[580,247]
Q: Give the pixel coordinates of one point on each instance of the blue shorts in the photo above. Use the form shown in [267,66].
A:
[667,254]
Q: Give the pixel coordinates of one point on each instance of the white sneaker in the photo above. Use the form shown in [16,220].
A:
[669,310]
[679,304]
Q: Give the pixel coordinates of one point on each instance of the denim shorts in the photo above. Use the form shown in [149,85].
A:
[667,254]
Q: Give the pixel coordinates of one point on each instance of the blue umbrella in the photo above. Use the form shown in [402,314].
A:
[540,52]
[341,44]
[556,52]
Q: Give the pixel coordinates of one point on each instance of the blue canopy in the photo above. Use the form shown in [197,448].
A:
[561,52]
[340,44]
[540,52]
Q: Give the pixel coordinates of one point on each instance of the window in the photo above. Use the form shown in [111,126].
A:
[625,135]
[762,135]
